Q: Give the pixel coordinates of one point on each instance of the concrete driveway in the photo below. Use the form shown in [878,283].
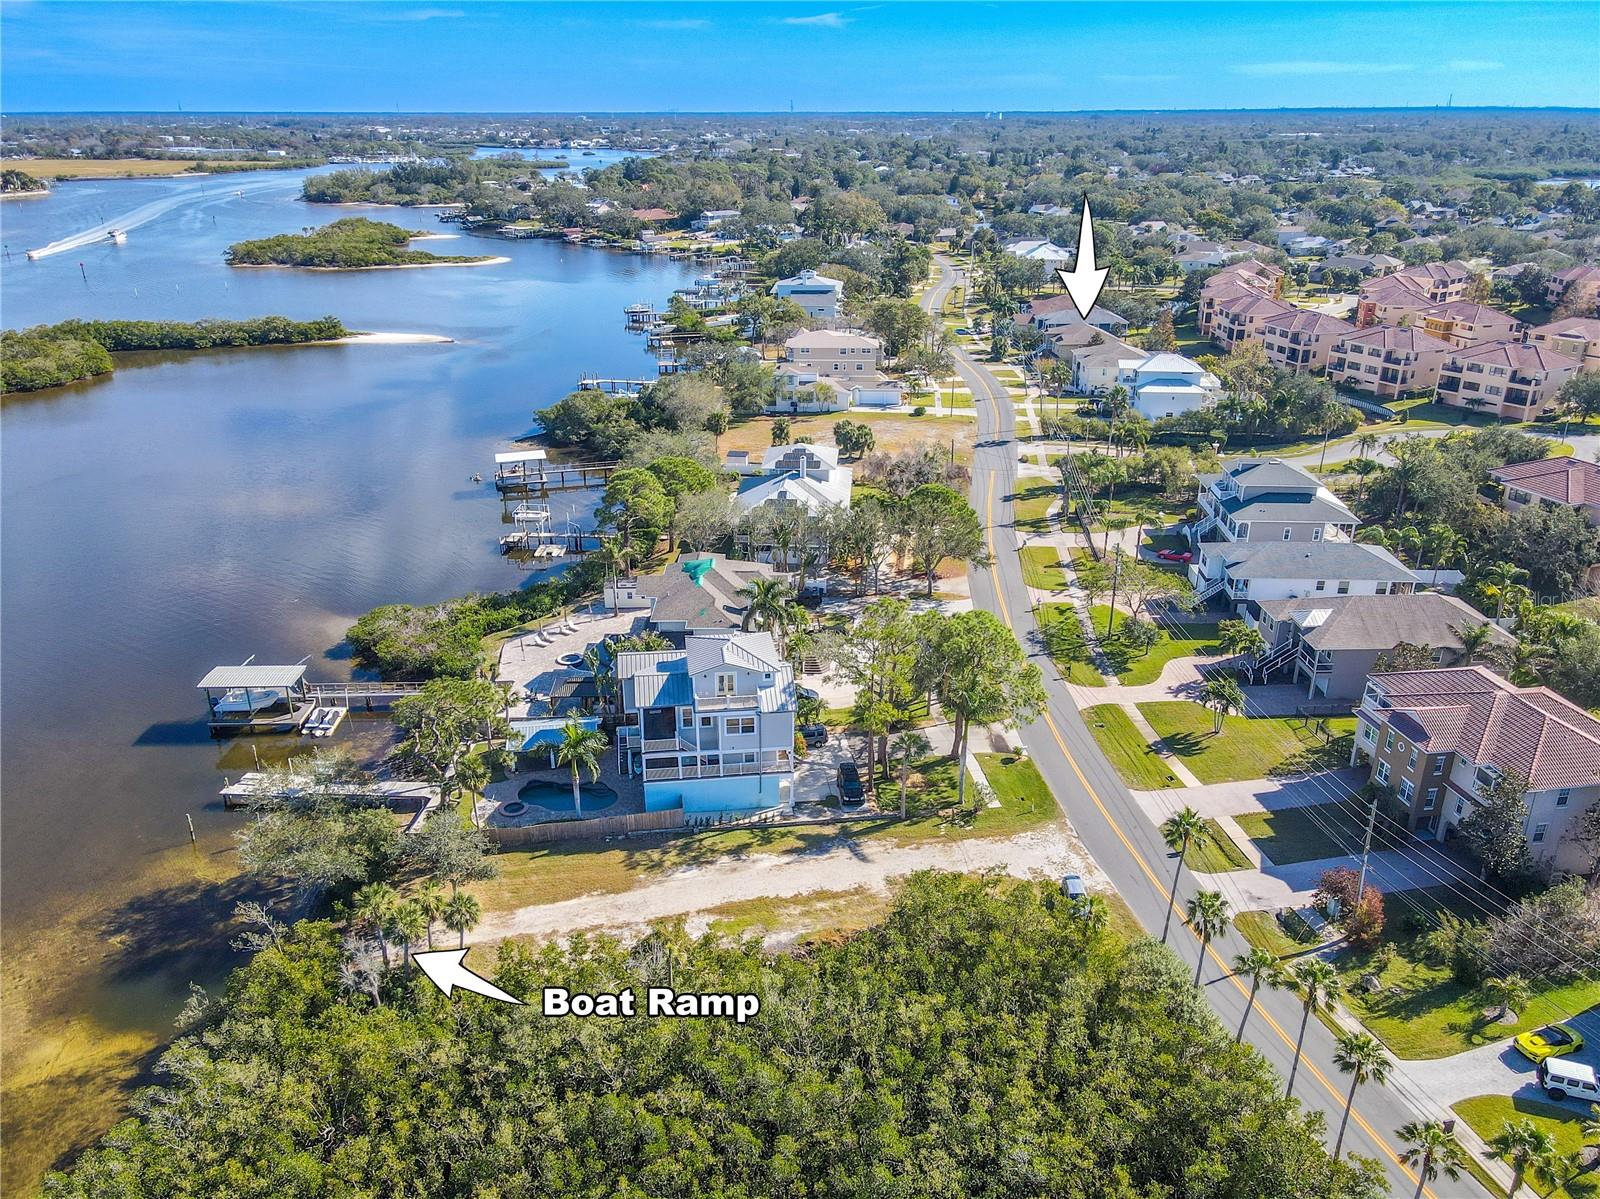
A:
[814,777]
[1498,1069]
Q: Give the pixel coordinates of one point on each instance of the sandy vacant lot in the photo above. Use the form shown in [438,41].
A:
[893,431]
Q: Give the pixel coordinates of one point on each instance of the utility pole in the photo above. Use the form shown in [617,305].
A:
[1116,573]
[1366,847]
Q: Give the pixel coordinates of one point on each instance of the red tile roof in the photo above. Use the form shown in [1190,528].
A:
[1475,713]
[1394,337]
[1522,356]
[1560,480]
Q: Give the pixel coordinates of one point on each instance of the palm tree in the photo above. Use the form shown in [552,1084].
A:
[1442,544]
[1260,967]
[410,922]
[430,899]
[373,906]
[910,746]
[1473,638]
[1317,982]
[1497,580]
[579,749]
[1433,1151]
[1523,1146]
[1221,694]
[1591,1124]
[461,914]
[766,603]
[1407,540]
[1182,829]
[1209,916]
[1366,444]
[1361,468]
[1361,1056]
[1511,991]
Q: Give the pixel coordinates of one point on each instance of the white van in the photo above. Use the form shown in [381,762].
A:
[1561,1077]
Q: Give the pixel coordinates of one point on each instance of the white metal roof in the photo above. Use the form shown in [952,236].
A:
[252,676]
[519,456]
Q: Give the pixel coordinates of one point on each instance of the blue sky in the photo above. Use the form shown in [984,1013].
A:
[439,55]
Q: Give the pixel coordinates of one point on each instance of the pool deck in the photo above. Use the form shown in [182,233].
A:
[630,796]
[530,666]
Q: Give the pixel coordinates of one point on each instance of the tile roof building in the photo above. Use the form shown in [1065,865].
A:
[1576,337]
[1387,361]
[1504,378]
[1299,340]
[1437,738]
[1568,481]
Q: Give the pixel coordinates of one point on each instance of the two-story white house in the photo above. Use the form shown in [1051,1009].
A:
[1267,499]
[808,475]
[1437,738]
[1242,572]
[1166,384]
[818,295]
[711,726]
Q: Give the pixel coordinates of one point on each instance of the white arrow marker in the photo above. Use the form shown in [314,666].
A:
[444,969]
[1083,282]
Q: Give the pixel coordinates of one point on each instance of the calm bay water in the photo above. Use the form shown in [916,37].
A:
[196,509]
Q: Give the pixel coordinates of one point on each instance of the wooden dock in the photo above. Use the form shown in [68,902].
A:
[254,786]
[533,477]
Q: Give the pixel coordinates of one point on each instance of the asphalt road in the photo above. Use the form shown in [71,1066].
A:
[1127,846]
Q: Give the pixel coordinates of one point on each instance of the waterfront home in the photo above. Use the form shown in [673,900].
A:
[1096,359]
[1504,378]
[1438,738]
[1240,573]
[710,726]
[712,218]
[805,392]
[1387,361]
[1576,337]
[1332,643]
[807,475]
[699,593]
[817,295]
[1267,499]
[1166,384]
[1577,286]
[1299,340]
[834,355]
[1570,482]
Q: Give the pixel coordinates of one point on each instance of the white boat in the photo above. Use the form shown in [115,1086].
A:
[118,236]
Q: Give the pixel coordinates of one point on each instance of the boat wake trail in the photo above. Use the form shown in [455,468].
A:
[145,213]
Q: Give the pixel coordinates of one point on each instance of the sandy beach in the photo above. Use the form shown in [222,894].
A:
[388,339]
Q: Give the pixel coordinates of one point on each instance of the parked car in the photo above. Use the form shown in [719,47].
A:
[806,692]
[1175,555]
[1072,887]
[849,780]
[1562,1078]
[1553,1040]
[815,735]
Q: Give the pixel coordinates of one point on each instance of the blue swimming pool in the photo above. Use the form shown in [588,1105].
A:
[557,797]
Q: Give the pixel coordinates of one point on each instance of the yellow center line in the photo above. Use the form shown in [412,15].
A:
[1306,1063]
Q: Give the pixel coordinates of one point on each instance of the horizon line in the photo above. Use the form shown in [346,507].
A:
[984,114]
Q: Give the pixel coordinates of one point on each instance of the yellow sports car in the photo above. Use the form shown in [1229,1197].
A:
[1553,1040]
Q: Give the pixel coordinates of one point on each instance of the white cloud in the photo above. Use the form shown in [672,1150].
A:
[1140,78]
[411,12]
[1314,67]
[825,20]
[1474,64]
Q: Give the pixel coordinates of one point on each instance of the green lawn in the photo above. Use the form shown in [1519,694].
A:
[1068,649]
[1486,1115]
[1303,834]
[1135,666]
[1263,931]
[1249,747]
[1042,568]
[1126,749]
[1029,505]
[1219,854]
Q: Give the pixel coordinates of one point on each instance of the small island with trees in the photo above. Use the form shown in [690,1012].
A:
[19,183]
[350,244]
[55,355]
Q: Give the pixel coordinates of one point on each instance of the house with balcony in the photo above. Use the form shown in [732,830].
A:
[1243,316]
[710,727]
[1438,738]
[1504,378]
[1096,360]
[1570,482]
[817,295]
[1166,384]
[1300,341]
[1387,361]
[1410,288]
[1463,323]
[1267,499]
[1577,337]
[1331,643]
[1056,313]
[807,475]
[830,354]
[1233,283]
[1241,574]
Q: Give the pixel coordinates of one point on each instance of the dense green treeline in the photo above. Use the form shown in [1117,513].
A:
[349,243]
[988,1039]
[52,355]
[416,641]
[12,180]
[419,182]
